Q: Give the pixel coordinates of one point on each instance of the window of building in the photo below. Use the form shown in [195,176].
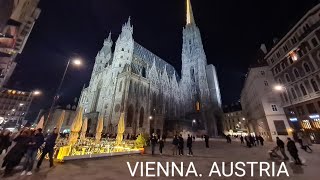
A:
[285,48]
[300,110]
[274,107]
[122,49]
[293,40]
[266,83]
[314,42]
[314,85]
[279,81]
[293,92]
[311,108]
[303,90]
[283,66]
[287,78]
[278,54]
[306,67]
[296,73]
[272,60]
[120,86]
[280,127]
[262,73]
[290,60]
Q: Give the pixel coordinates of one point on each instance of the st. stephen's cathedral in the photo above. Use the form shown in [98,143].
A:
[149,91]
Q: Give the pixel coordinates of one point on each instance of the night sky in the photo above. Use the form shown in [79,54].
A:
[231,30]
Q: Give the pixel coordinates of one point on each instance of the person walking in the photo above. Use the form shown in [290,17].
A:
[16,153]
[49,148]
[181,145]
[189,145]
[293,151]
[280,145]
[241,139]
[153,142]
[247,139]
[206,139]
[5,142]
[161,145]
[260,138]
[305,144]
[36,141]
[251,139]
[175,143]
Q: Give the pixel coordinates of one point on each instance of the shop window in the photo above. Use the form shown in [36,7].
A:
[306,124]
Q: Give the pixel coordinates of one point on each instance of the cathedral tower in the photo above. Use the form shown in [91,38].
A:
[194,61]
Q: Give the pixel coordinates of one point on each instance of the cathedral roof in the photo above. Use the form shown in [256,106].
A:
[148,57]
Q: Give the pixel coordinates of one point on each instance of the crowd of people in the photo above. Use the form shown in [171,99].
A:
[21,148]
[177,145]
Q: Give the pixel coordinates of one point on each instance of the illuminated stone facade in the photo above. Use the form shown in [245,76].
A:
[148,90]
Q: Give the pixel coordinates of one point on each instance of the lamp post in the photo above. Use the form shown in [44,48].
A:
[280,87]
[76,62]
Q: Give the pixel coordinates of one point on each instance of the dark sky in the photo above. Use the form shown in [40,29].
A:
[232,31]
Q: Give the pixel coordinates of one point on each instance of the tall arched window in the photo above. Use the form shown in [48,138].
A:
[293,92]
[287,77]
[120,86]
[314,85]
[279,81]
[130,116]
[192,74]
[306,67]
[296,73]
[143,73]
[303,90]
[141,117]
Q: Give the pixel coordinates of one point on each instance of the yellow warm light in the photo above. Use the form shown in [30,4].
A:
[278,88]
[294,56]
[188,12]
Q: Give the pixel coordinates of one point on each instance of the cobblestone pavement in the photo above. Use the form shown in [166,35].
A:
[219,151]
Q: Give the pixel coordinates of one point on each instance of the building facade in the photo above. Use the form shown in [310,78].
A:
[148,90]
[14,105]
[295,64]
[17,19]
[261,105]
[234,122]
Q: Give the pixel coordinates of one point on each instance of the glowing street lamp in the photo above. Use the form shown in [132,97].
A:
[76,62]
[278,87]
[150,117]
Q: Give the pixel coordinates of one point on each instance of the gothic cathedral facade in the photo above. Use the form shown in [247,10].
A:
[149,91]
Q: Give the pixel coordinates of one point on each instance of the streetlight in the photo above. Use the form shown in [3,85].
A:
[150,117]
[74,61]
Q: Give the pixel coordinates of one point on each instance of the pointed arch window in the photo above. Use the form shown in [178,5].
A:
[120,86]
[192,74]
[293,92]
[287,77]
[314,85]
[303,90]
[306,67]
[296,73]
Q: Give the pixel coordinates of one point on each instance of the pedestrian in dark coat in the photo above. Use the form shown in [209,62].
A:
[181,145]
[175,143]
[260,138]
[36,141]
[280,145]
[49,148]
[153,141]
[5,141]
[241,139]
[161,145]
[293,151]
[206,139]
[189,145]
[16,153]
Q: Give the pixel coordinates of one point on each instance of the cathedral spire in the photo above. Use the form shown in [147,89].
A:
[190,18]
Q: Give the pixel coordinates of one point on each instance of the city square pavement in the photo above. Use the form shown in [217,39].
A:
[219,151]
